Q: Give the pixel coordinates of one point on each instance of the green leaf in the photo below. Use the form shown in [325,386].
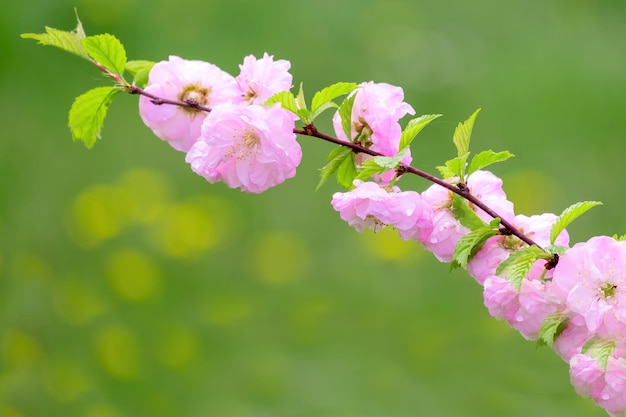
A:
[390,162]
[518,264]
[463,133]
[300,101]
[336,158]
[569,215]
[368,168]
[486,158]
[322,100]
[470,244]
[322,108]
[88,112]
[68,41]
[413,127]
[465,215]
[286,100]
[345,112]
[108,51]
[599,349]
[346,173]
[140,71]
[551,327]
[454,167]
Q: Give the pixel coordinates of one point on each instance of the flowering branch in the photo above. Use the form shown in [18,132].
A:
[312,131]
[241,131]
[460,190]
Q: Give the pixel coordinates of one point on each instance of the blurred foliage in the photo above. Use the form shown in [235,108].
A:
[131,287]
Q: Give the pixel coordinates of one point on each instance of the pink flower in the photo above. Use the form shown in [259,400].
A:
[571,341]
[485,186]
[607,387]
[184,80]
[370,206]
[259,79]
[498,248]
[590,279]
[376,110]
[524,310]
[586,375]
[446,229]
[248,147]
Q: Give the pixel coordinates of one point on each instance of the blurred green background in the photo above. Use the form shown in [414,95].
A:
[131,287]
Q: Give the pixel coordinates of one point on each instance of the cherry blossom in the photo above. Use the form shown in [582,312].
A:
[187,81]
[249,147]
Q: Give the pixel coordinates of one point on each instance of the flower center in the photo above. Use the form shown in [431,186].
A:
[194,94]
[245,147]
[250,96]
[607,290]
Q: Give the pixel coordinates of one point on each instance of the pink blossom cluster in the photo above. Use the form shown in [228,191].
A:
[586,290]
[375,121]
[240,141]
[252,146]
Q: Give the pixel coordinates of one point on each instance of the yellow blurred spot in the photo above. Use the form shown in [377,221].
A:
[280,258]
[75,303]
[149,191]
[132,275]
[185,230]
[227,311]
[29,266]
[98,214]
[531,191]
[101,410]
[20,349]
[65,382]
[178,346]
[387,245]
[117,352]
[8,411]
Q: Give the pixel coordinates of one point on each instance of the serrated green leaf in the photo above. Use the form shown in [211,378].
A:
[137,65]
[346,173]
[323,98]
[322,108]
[88,113]
[413,127]
[337,151]
[368,168]
[390,162]
[108,51]
[551,327]
[304,115]
[140,70]
[445,172]
[486,158]
[463,133]
[300,101]
[465,215]
[569,215]
[286,100]
[454,167]
[68,41]
[599,349]
[345,112]
[336,158]
[470,244]
[518,264]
